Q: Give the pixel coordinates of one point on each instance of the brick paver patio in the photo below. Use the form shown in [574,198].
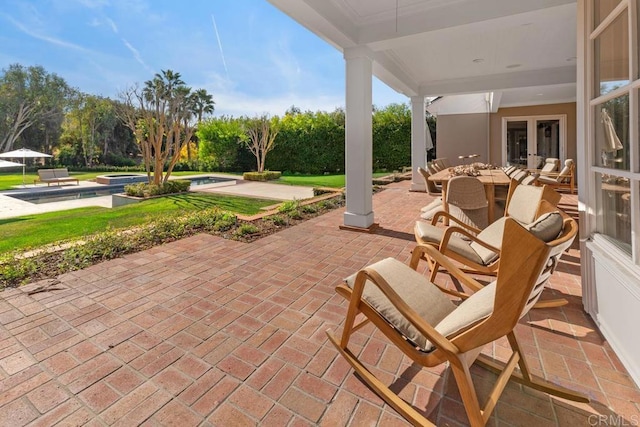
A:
[207,331]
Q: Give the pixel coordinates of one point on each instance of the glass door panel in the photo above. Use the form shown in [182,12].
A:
[547,143]
[517,137]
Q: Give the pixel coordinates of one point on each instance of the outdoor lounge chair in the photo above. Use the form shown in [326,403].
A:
[430,329]
[551,164]
[54,176]
[565,179]
[479,250]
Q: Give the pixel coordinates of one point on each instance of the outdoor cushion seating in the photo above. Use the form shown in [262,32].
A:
[551,164]
[479,250]
[421,321]
[564,179]
[509,169]
[519,174]
[57,176]
[530,179]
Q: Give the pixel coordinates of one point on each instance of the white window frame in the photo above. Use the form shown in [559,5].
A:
[531,133]
[632,89]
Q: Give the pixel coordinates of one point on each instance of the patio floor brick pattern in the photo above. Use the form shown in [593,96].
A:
[207,331]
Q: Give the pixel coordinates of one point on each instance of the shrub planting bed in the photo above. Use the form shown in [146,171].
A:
[18,268]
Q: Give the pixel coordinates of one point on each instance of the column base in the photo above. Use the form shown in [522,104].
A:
[418,187]
[352,220]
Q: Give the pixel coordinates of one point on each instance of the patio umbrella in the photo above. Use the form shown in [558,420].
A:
[8,164]
[23,153]
[612,142]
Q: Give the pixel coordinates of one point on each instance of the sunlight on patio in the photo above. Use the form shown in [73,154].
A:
[207,331]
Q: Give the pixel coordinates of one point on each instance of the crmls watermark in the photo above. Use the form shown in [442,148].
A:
[614,420]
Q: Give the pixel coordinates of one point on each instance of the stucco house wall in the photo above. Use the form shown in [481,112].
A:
[461,135]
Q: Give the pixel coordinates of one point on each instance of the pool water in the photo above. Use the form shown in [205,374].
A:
[66,194]
[63,196]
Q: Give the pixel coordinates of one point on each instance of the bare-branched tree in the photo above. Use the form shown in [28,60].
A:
[261,132]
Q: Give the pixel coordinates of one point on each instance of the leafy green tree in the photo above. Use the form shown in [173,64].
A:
[392,137]
[31,99]
[91,123]
[219,140]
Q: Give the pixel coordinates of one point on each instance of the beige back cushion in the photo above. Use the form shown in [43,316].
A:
[46,174]
[565,173]
[414,289]
[551,164]
[472,310]
[524,202]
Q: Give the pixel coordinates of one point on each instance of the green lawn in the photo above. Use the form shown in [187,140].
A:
[8,180]
[333,181]
[38,230]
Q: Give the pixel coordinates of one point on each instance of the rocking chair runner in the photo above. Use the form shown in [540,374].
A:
[426,326]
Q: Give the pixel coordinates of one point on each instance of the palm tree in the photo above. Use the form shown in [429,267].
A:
[202,103]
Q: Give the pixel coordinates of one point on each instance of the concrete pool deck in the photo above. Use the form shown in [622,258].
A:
[11,207]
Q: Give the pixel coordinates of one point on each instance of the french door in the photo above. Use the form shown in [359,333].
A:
[528,141]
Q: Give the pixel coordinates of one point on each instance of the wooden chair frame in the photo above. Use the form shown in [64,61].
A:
[524,264]
[562,181]
[548,201]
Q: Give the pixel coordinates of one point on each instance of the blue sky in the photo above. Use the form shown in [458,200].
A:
[260,61]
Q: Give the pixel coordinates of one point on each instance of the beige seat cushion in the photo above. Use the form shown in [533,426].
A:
[437,203]
[423,297]
[431,234]
[414,289]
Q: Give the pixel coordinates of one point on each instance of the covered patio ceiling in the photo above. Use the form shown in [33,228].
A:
[523,51]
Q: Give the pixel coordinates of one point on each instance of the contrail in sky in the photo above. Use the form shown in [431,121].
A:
[224,62]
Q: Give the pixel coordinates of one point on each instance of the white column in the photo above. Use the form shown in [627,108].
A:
[359,139]
[418,142]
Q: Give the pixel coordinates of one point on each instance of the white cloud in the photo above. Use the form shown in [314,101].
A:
[112,24]
[47,38]
[239,104]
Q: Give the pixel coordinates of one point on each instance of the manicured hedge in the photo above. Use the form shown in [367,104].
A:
[308,142]
[261,176]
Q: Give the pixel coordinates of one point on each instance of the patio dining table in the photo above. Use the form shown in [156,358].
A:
[491,178]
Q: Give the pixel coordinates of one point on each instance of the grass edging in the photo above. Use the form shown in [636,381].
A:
[21,267]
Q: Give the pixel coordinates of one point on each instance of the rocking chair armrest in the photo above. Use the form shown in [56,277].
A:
[449,231]
[429,332]
[437,215]
[437,256]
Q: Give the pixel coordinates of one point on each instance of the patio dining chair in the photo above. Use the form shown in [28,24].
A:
[479,250]
[466,201]
[430,329]
[434,190]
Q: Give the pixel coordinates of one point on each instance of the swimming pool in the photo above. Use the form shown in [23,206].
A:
[51,195]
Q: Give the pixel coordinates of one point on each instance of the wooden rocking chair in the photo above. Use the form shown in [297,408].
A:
[430,329]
